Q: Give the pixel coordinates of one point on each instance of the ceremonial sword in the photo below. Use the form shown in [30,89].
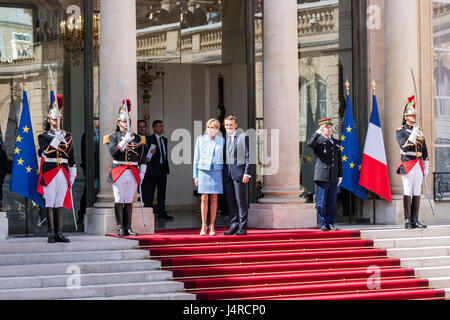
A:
[426,186]
[58,127]
[128,129]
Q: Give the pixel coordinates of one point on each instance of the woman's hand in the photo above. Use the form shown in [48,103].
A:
[196,182]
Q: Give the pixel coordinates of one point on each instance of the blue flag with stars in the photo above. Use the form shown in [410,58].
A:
[25,170]
[351,157]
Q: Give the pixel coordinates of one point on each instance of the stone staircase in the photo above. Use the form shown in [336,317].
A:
[89,267]
[425,250]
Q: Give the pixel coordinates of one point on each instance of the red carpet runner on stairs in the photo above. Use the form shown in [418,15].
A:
[296,264]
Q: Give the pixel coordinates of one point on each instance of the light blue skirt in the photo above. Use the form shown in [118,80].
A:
[210,182]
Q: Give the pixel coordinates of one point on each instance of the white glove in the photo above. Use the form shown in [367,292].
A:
[339,181]
[73,174]
[414,134]
[319,131]
[142,169]
[426,168]
[60,135]
[125,141]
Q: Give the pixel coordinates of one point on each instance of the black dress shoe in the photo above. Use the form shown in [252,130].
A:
[129,232]
[120,231]
[241,233]
[332,228]
[230,232]
[51,237]
[324,228]
[59,237]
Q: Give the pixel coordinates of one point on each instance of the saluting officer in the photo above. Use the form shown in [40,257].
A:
[413,165]
[328,172]
[58,171]
[128,168]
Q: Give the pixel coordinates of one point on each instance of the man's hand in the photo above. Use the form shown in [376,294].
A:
[153,151]
[60,136]
[245,179]
[319,131]
[128,136]
[196,182]
[339,181]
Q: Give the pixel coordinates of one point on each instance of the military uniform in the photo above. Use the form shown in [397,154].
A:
[327,175]
[128,169]
[57,174]
[413,166]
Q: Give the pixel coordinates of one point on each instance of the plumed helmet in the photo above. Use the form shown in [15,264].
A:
[410,108]
[124,110]
[54,112]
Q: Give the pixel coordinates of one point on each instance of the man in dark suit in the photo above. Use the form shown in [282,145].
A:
[159,169]
[236,175]
[328,173]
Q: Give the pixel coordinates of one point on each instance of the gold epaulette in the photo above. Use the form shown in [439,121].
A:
[400,128]
[107,138]
[143,139]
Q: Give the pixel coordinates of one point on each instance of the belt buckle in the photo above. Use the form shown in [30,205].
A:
[130,163]
[418,154]
[59,161]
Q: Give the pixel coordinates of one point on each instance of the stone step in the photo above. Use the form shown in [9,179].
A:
[161,296]
[433,272]
[84,279]
[76,244]
[432,231]
[412,242]
[442,283]
[85,268]
[110,290]
[419,252]
[71,257]
[426,261]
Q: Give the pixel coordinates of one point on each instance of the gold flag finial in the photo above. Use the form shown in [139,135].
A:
[347,86]
[374,85]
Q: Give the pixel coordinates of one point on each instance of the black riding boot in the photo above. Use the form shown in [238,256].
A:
[128,215]
[118,210]
[49,212]
[407,209]
[415,213]
[59,237]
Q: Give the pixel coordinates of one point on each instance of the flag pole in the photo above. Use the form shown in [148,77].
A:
[374,85]
[347,87]
[25,198]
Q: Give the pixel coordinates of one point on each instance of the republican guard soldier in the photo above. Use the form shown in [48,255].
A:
[128,151]
[57,172]
[413,165]
[327,174]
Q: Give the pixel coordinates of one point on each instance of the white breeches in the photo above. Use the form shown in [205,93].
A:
[125,187]
[412,182]
[56,190]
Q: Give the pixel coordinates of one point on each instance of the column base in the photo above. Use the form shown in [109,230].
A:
[3,226]
[282,215]
[392,213]
[101,220]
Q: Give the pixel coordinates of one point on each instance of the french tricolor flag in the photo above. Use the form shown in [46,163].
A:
[374,172]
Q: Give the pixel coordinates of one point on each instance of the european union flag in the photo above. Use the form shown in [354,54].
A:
[25,170]
[351,157]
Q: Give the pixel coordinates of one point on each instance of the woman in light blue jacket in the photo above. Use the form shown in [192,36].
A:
[208,166]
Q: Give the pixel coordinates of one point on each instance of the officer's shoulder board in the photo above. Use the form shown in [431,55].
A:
[107,138]
[143,139]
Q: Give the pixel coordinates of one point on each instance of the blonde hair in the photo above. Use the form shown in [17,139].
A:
[214,122]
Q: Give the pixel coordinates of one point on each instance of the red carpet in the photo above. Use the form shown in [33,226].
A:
[302,264]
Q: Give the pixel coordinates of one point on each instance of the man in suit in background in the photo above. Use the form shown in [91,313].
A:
[236,175]
[159,169]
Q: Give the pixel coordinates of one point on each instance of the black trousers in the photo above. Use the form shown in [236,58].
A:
[236,195]
[149,185]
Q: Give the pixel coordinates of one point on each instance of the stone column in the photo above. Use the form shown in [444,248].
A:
[281,206]
[408,44]
[117,57]
[3,225]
